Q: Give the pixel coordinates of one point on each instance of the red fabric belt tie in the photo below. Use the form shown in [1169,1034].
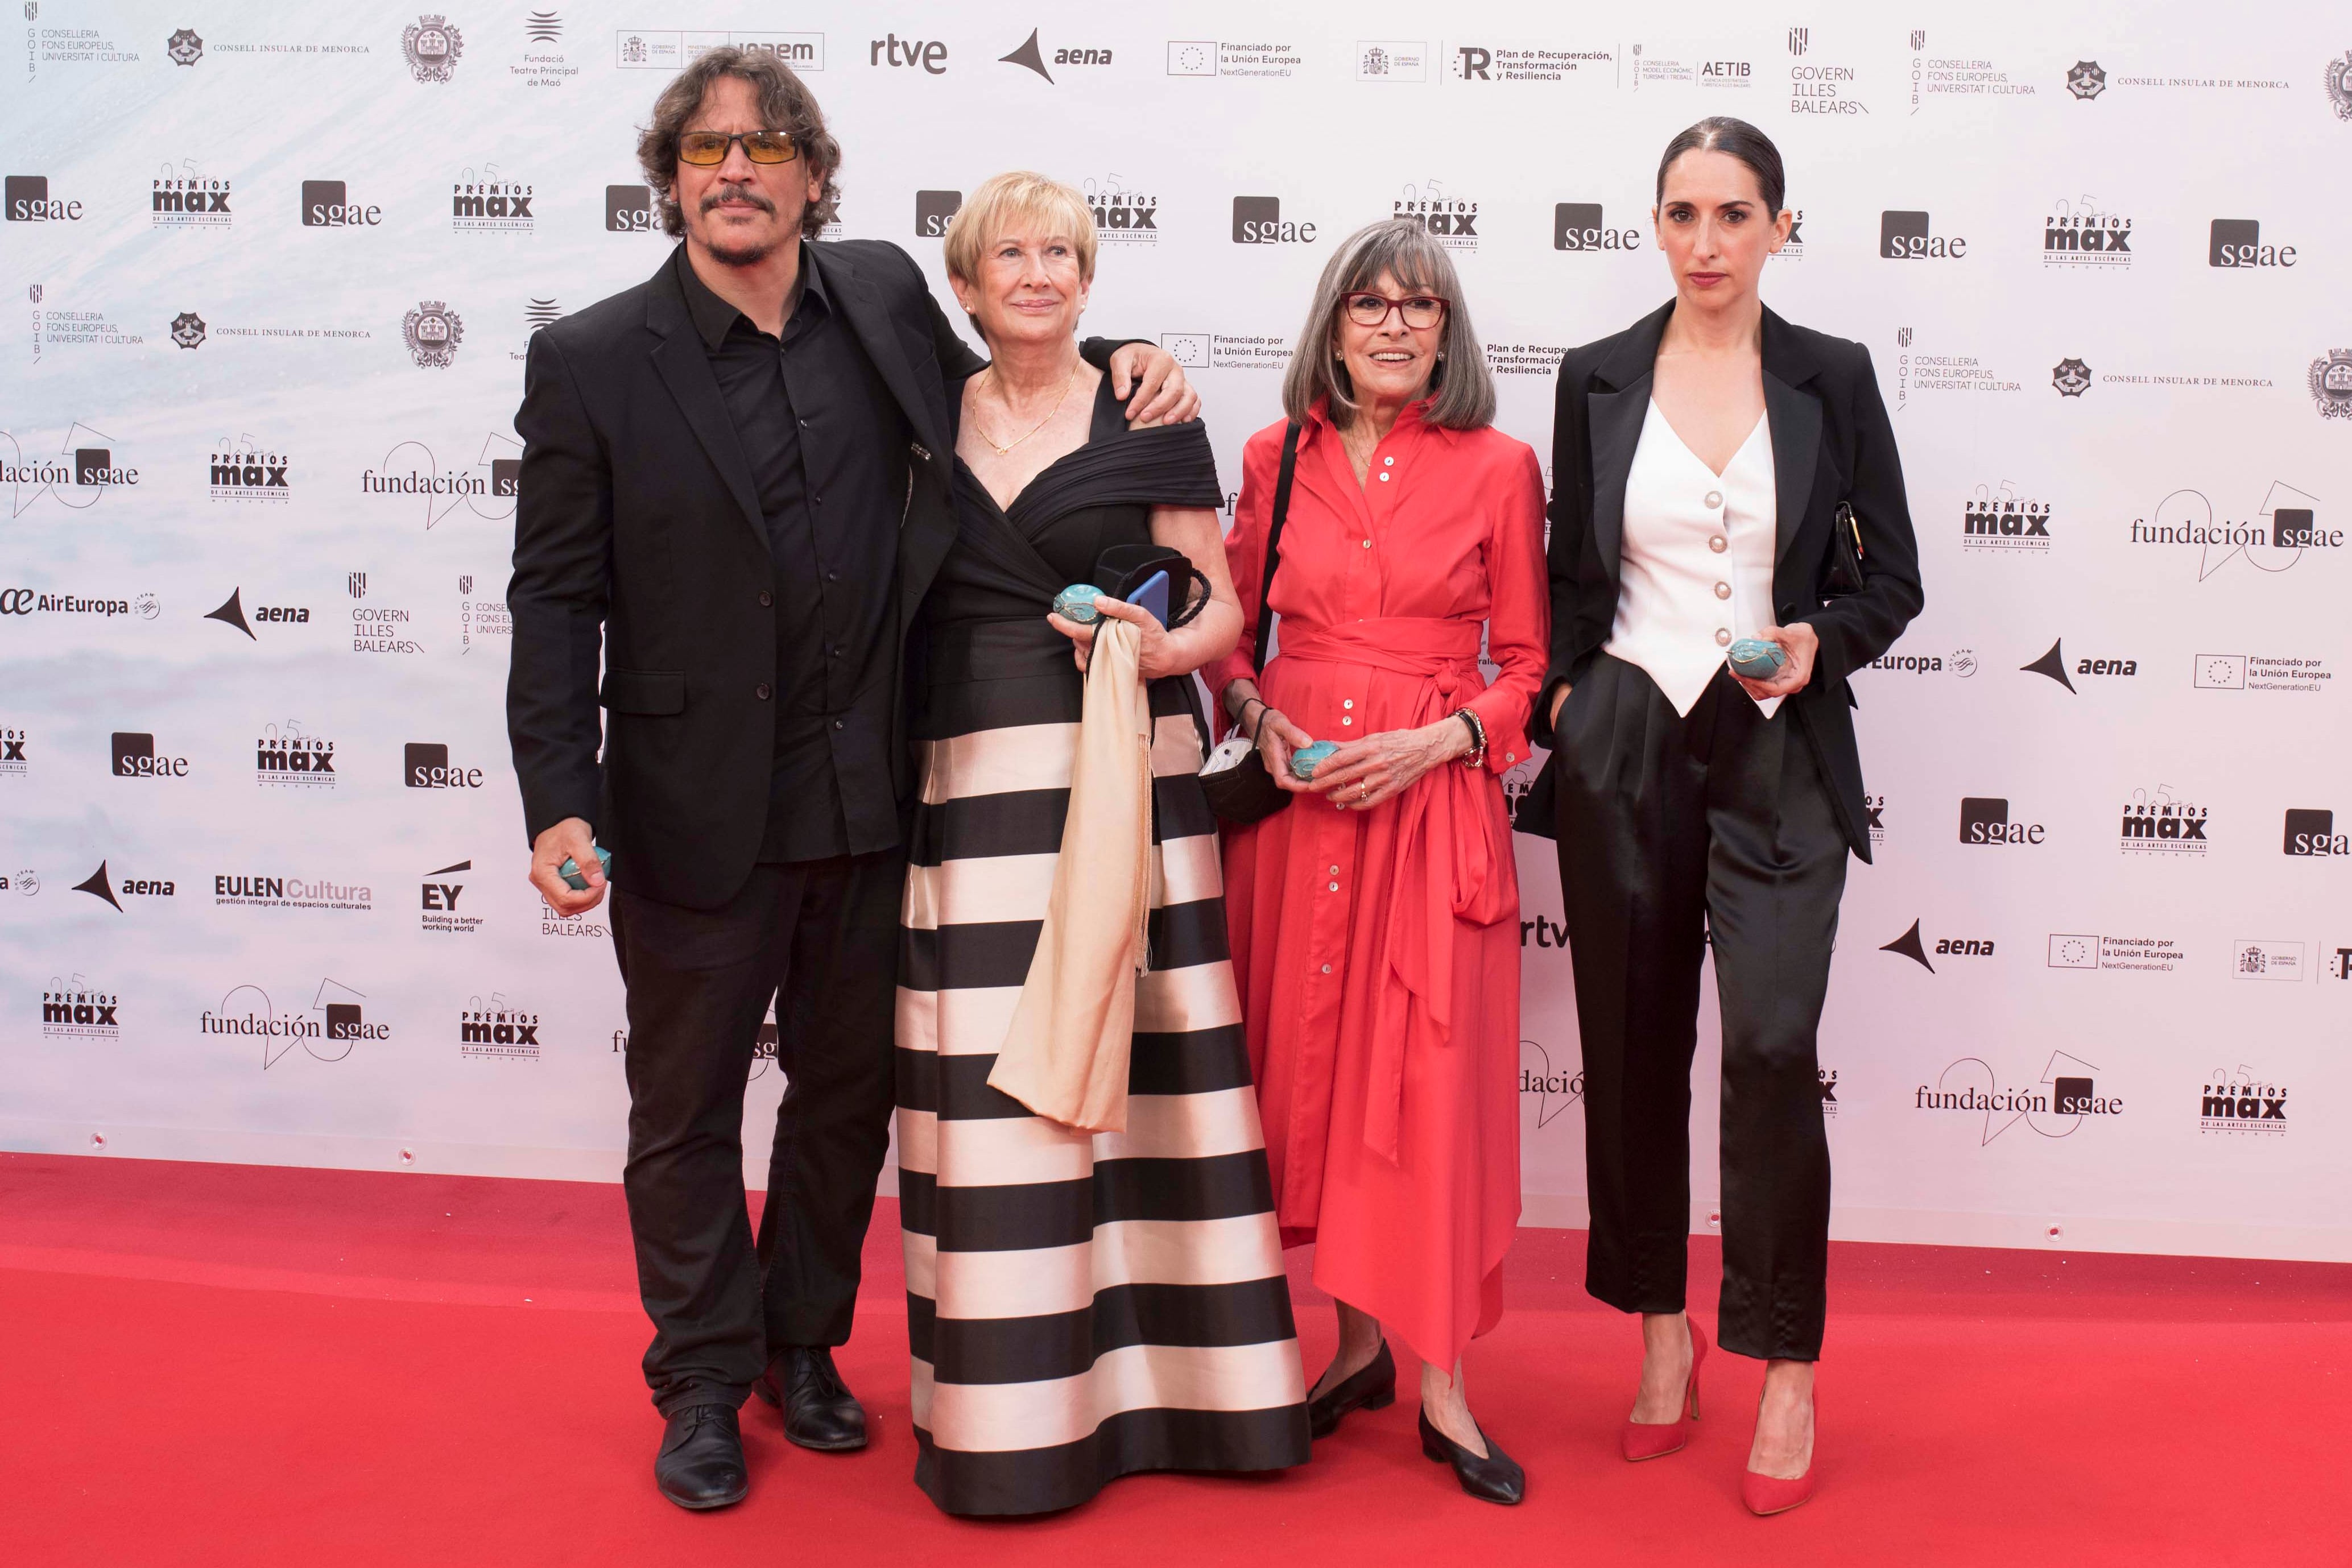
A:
[1451,862]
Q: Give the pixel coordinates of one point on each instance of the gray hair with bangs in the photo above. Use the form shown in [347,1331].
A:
[1461,390]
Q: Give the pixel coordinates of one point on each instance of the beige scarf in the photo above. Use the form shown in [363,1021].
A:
[1065,1055]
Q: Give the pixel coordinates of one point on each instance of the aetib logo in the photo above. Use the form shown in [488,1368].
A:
[133,753]
[425,765]
[2239,1102]
[75,1010]
[2159,824]
[932,211]
[629,209]
[498,1031]
[930,56]
[1579,226]
[1984,819]
[287,759]
[1904,236]
[327,204]
[2077,233]
[2312,833]
[1257,220]
[2236,245]
[240,473]
[438,900]
[188,200]
[28,202]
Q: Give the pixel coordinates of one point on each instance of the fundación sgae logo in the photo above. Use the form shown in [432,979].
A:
[2055,1105]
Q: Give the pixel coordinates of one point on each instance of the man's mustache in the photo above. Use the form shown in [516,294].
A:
[745,195]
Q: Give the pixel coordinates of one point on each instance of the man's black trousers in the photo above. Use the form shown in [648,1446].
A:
[1676,832]
[821,938]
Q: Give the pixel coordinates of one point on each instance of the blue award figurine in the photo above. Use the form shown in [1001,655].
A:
[1307,759]
[1076,602]
[1757,659]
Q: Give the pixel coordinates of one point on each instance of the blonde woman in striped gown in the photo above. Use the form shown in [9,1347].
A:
[1081,1304]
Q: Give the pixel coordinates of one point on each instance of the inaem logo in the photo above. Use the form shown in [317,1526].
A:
[1257,220]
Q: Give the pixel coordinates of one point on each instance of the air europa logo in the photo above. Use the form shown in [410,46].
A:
[1257,220]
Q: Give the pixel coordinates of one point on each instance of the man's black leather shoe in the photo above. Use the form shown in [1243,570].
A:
[701,1461]
[819,1410]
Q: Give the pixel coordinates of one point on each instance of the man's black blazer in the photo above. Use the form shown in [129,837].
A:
[1832,441]
[640,545]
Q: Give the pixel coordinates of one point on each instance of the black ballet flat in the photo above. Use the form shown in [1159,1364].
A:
[1496,1478]
[1371,1388]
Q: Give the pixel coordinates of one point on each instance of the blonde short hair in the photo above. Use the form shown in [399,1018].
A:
[1018,198]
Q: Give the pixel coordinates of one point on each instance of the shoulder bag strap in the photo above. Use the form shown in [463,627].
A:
[1273,542]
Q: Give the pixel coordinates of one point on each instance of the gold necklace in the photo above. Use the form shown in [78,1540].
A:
[1007,451]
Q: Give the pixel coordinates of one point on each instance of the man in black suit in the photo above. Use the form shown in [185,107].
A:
[735,490]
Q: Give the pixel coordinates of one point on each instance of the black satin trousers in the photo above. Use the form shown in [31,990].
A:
[1678,833]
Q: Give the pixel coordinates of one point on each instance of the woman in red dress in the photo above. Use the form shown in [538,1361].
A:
[1375,922]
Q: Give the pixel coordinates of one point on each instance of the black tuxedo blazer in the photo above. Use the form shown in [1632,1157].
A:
[640,547]
[1831,443]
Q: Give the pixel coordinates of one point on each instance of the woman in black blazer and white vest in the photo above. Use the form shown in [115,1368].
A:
[1703,460]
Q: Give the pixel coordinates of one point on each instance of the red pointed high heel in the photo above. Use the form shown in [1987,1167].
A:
[1767,1495]
[1656,1439]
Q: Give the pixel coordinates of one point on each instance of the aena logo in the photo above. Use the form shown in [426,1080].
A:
[1257,220]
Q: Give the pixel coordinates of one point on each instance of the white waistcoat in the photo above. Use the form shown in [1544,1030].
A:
[1696,566]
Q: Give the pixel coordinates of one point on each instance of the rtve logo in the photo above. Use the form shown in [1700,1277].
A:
[1578,226]
[1257,220]
[28,197]
[327,204]
[1904,236]
[908,53]
[2238,243]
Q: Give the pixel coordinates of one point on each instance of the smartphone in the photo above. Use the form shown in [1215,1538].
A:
[1153,596]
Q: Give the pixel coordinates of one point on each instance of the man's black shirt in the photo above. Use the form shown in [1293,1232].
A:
[828,448]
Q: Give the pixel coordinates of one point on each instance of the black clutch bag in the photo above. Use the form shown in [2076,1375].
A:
[1843,574]
[1235,777]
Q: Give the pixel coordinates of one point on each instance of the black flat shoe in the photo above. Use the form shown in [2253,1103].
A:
[700,1464]
[1370,1388]
[820,1412]
[1496,1478]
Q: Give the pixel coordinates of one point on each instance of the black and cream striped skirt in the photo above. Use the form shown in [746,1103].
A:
[1079,1306]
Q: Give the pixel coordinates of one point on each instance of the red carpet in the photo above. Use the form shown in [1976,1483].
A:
[237,1364]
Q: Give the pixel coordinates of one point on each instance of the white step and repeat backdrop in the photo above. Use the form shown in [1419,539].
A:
[270,271]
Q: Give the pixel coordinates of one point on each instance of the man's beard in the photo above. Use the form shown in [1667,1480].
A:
[750,253]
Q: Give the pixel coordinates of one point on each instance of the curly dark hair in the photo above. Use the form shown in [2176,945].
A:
[785,104]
